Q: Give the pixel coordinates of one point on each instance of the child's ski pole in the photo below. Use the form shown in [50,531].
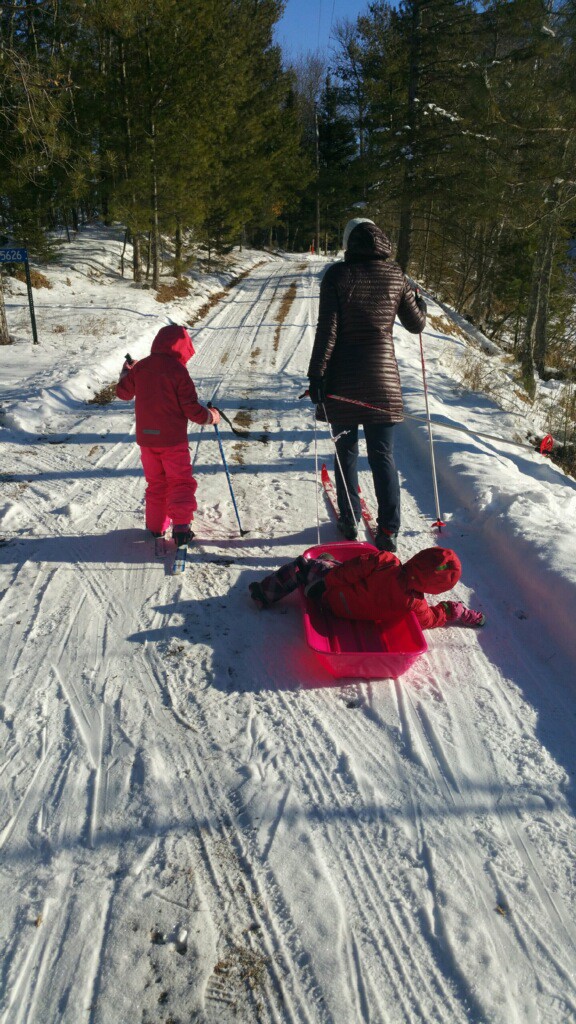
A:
[224,463]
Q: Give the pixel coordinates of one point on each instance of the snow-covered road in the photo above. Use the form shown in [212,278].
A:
[173,760]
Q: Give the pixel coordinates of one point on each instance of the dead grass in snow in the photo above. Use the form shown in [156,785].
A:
[285,307]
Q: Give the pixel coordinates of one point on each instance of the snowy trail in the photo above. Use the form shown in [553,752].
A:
[375,852]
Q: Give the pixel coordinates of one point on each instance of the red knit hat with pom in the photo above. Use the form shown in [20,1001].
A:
[433,570]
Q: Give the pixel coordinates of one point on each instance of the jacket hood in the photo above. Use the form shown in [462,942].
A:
[173,340]
[433,570]
[350,228]
[367,241]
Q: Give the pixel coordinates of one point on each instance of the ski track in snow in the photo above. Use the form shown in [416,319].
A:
[374,852]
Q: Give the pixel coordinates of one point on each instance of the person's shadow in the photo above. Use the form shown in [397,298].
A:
[251,650]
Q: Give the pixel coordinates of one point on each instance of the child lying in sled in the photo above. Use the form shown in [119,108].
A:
[374,586]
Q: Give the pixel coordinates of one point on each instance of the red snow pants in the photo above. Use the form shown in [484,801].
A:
[171,487]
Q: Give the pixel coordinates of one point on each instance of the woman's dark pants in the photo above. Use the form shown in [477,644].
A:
[380,445]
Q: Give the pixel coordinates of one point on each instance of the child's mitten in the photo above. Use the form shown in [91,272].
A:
[458,615]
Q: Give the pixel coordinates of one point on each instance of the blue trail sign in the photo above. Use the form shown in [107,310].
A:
[15,254]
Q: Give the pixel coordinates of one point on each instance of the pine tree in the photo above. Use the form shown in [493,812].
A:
[338,185]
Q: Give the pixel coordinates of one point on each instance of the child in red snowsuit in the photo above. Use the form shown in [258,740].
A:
[165,400]
[375,586]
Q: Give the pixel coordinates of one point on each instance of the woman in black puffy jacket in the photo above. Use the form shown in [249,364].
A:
[353,357]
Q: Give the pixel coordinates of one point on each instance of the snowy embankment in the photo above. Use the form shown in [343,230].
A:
[508,498]
[89,317]
[196,823]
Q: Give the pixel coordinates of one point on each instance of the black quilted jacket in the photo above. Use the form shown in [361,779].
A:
[353,348]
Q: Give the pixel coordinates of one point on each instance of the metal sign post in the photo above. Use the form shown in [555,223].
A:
[15,255]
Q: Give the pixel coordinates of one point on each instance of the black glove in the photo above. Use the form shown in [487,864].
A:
[420,302]
[316,390]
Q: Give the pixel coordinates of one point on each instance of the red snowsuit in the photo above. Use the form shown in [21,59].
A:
[165,400]
[379,588]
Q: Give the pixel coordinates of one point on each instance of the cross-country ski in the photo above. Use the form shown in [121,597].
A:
[179,561]
[330,492]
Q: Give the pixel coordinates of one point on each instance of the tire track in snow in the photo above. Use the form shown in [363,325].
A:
[509,722]
[89,716]
[419,732]
[417,723]
[19,998]
[432,760]
[230,317]
[360,878]
[232,886]
[90,728]
[30,789]
[33,600]
[416,750]
[259,894]
[369,875]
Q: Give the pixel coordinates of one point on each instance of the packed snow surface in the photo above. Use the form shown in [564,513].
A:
[197,823]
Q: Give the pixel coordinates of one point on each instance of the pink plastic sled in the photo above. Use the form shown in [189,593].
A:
[359,648]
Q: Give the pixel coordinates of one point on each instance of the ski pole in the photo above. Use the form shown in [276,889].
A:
[438,522]
[224,463]
[317,488]
[306,394]
[338,462]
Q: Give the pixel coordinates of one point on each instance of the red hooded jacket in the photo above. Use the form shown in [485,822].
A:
[165,394]
[376,586]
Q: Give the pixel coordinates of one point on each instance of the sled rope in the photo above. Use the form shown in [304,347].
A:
[437,423]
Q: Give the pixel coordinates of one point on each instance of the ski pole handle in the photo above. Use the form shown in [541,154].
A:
[128,359]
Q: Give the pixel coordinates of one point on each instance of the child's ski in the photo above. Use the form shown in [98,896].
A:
[367,515]
[330,491]
[179,563]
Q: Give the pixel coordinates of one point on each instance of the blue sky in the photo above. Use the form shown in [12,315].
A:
[306,24]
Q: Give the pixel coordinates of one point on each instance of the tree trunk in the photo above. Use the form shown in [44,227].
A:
[137,258]
[405,231]
[317,239]
[148,255]
[155,228]
[155,232]
[424,263]
[406,203]
[123,253]
[535,329]
[440,271]
[178,250]
[541,325]
[127,129]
